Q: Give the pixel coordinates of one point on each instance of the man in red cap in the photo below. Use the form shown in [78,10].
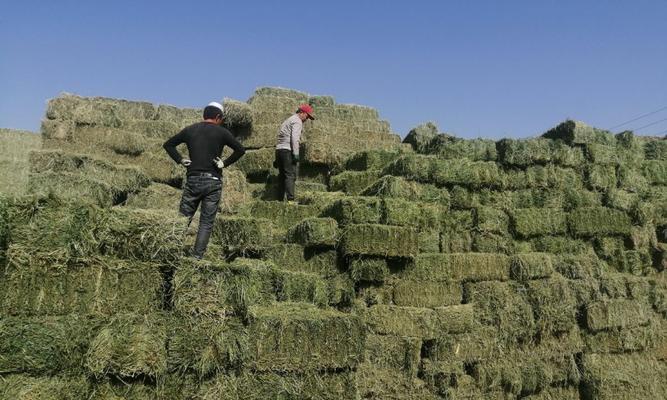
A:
[287,150]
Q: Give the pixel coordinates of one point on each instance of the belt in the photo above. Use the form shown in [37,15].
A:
[205,174]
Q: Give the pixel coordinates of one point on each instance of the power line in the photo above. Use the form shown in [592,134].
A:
[638,118]
[651,124]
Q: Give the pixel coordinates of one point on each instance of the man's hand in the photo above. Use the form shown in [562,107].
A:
[186,162]
[295,158]
[219,163]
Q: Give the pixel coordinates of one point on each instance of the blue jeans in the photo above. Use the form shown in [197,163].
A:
[204,190]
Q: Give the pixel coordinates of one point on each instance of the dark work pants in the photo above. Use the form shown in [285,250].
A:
[204,190]
[286,174]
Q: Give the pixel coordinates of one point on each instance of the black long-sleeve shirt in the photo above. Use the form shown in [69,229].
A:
[205,142]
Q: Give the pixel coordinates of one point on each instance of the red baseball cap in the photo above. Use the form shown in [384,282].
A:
[307,109]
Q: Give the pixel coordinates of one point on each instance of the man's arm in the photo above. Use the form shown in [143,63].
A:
[170,146]
[296,139]
[234,144]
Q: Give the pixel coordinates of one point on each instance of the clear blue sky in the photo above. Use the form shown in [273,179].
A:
[476,68]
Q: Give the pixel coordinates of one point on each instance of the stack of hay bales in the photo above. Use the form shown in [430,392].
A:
[457,269]
[14,148]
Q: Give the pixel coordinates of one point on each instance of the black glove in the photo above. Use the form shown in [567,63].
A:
[295,158]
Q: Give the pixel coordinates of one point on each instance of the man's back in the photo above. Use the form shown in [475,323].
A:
[205,142]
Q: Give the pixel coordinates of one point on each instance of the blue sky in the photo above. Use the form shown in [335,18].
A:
[476,68]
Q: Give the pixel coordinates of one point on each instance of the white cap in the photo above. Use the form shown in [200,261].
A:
[216,105]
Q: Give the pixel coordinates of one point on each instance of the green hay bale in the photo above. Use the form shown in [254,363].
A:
[353,182]
[448,148]
[315,232]
[235,189]
[560,245]
[655,171]
[156,196]
[618,313]
[260,386]
[257,164]
[484,242]
[385,383]
[458,267]
[429,241]
[109,389]
[634,262]
[243,235]
[15,145]
[394,352]
[44,345]
[627,376]
[153,129]
[656,150]
[97,110]
[76,187]
[129,346]
[502,305]
[546,177]
[179,116]
[402,321]
[620,341]
[598,221]
[206,346]
[524,153]
[576,132]
[355,210]
[421,136]
[413,293]
[397,187]
[57,129]
[369,269]
[294,257]
[409,213]
[524,267]
[379,240]
[620,199]
[554,306]
[295,337]
[601,177]
[370,160]
[231,289]
[609,248]
[530,222]
[281,213]
[321,101]
[491,220]
[23,387]
[237,113]
[602,154]
[37,284]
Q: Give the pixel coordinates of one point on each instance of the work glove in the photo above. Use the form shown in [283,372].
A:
[219,163]
[186,162]
[295,158]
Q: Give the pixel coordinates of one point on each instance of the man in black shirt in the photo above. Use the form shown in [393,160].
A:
[205,141]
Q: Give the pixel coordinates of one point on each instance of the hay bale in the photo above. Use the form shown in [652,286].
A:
[243,235]
[75,187]
[385,383]
[576,132]
[300,338]
[257,164]
[421,136]
[260,386]
[237,113]
[655,171]
[97,110]
[530,222]
[458,267]
[294,257]
[539,176]
[153,129]
[598,221]
[129,346]
[527,266]
[179,116]
[474,174]
[560,245]
[315,232]
[24,387]
[554,305]
[619,341]
[370,160]
[398,187]
[491,220]
[156,196]
[601,177]
[617,313]
[402,212]
[355,210]
[656,150]
[627,376]
[524,153]
[394,352]
[369,269]
[503,306]
[44,345]
[379,240]
[282,214]
[39,284]
[412,293]
[448,148]
[402,321]
[353,182]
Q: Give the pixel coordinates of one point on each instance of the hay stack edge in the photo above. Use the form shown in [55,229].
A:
[428,268]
